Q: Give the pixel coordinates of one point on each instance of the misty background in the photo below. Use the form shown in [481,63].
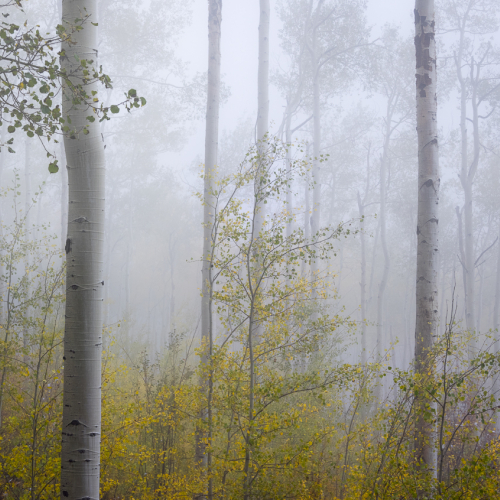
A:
[155,155]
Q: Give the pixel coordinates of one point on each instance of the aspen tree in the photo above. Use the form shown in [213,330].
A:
[211,151]
[81,427]
[262,135]
[427,219]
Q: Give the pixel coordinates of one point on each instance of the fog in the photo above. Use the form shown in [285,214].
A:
[364,191]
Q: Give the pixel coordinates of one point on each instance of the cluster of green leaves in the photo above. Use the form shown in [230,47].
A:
[32,79]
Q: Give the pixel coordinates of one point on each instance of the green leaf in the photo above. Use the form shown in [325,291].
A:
[11,129]
[114,109]
[53,168]
[143,101]
[91,119]
[132,93]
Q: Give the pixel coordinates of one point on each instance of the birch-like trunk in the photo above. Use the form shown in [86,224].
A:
[27,224]
[262,136]
[385,251]
[427,220]
[467,174]
[172,284]
[496,326]
[361,208]
[64,195]
[316,169]
[496,307]
[81,426]
[289,194]
[211,150]
[307,214]
[263,72]
[362,284]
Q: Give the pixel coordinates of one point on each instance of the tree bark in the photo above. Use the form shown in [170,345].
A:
[64,195]
[361,209]
[262,139]
[289,194]
[427,220]
[172,252]
[211,151]
[383,241]
[263,72]
[307,214]
[81,427]
[467,174]
[316,170]
[496,308]
[496,326]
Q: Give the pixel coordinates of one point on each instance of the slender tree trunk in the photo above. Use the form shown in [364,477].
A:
[383,241]
[428,221]
[262,141]
[496,308]
[307,216]
[480,300]
[496,326]
[27,213]
[289,194]
[172,286]
[263,73]
[316,170]
[442,310]
[362,284]
[361,209]
[203,460]
[467,175]
[2,164]
[81,426]
[64,195]
[461,249]
[130,243]
[247,486]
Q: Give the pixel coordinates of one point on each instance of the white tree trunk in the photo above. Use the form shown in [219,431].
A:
[316,170]
[289,194]
[81,427]
[362,283]
[383,240]
[307,214]
[496,326]
[361,208]
[211,151]
[262,136]
[64,195]
[427,218]
[172,286]
[27,213]
[467,175]
[496,308]
[263,74]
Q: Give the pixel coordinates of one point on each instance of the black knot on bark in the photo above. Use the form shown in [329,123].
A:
[76,423]
[81,220]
